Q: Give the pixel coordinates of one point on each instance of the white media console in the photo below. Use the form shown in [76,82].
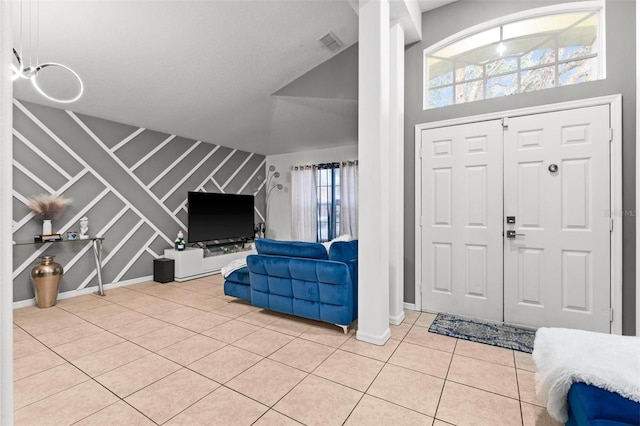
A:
[190,263]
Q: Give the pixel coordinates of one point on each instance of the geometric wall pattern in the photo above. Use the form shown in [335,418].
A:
[130,182]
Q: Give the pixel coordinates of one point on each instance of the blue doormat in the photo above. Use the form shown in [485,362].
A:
[505,336]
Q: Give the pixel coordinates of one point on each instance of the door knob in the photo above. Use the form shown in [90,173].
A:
[553,168]
[512,234]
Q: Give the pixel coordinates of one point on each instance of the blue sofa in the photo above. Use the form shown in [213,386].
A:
[591,405]
[237,284]
[302,279]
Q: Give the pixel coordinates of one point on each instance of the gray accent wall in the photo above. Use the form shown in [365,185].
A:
[445,21]
[131,183]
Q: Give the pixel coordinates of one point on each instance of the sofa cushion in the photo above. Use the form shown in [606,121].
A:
[291,249]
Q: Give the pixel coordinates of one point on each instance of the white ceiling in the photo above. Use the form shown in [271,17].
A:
[432,4]
[199,69]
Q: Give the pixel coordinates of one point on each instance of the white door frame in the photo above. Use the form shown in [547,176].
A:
[615,104]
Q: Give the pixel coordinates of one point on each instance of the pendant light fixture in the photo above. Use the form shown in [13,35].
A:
[32,71]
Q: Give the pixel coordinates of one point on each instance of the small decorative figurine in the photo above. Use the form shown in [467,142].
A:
[179,246]
[84,228]
[259,230]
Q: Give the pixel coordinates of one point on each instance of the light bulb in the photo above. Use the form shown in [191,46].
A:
[501,49]
[16,73]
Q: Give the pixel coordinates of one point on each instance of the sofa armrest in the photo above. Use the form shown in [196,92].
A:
[353,270]
[344,251]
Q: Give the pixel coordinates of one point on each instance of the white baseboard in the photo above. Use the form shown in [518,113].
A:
[86,290]
[397,320]
[376,340]
[410,306]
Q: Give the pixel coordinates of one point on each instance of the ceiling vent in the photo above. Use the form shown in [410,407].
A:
[331,42]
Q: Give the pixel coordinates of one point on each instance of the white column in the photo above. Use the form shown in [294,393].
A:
[396,174]
[373,172]
[6,217]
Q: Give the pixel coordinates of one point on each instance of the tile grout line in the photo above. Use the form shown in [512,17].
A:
[67,361]
[186,366]
[385,363]
[307,374]
[518,388]
[445,382]
[261,326]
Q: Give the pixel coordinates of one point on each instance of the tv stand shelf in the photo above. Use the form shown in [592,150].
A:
[216,250]
[190,263]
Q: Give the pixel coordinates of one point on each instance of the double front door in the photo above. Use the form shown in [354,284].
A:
[515,220]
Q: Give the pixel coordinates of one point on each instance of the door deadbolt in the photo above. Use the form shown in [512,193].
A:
[511,219]
[553,168]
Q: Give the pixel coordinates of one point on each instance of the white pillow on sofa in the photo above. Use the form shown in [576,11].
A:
[344,237]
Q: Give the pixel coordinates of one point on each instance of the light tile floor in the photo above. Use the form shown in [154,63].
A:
[185,354]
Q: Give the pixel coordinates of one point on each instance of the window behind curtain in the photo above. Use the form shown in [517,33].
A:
[328,192]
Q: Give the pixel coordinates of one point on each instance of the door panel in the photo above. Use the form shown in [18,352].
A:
[529,177]
[443,196]
[576,285]
[557,270]
[530,273]
[462,220]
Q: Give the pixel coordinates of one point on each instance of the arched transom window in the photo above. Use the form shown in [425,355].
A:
[539,49]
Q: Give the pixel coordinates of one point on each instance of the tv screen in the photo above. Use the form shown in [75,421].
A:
[214,216]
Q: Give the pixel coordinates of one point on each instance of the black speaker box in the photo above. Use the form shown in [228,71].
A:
[163,270]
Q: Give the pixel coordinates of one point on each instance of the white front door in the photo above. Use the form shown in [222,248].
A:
[557,189]
[555,270]
[462,219]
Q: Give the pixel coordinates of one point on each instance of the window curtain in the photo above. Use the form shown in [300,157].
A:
[303,203]
[349,198]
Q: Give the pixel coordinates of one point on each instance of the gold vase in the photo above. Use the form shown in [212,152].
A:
[46,281]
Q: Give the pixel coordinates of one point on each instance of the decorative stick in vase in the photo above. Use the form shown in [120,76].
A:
[47,207]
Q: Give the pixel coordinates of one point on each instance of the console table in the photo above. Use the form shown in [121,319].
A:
[96,243]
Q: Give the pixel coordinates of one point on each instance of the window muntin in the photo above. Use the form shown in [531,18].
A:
[545,51]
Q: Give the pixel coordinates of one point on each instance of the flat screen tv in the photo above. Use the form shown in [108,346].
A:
[215,217]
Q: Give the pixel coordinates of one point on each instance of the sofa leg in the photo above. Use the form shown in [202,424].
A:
[345,328]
